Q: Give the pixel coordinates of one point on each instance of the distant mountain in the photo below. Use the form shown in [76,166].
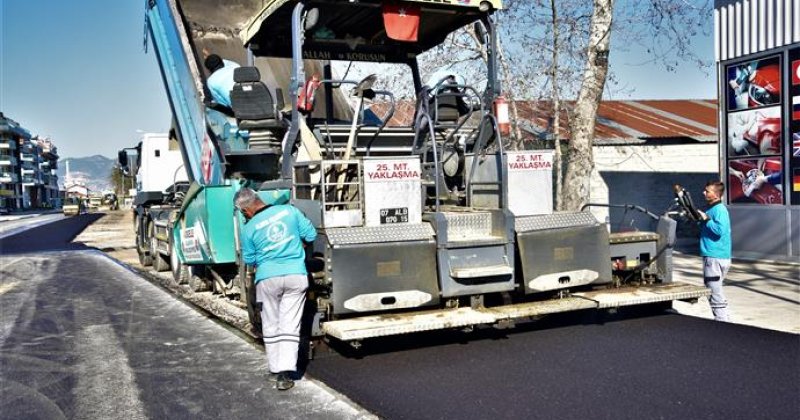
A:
[92,171]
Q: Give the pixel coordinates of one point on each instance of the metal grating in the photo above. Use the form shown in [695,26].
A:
[554,221]
[462,226]
[385,233]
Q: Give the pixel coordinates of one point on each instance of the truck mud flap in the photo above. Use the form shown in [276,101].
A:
[394,324]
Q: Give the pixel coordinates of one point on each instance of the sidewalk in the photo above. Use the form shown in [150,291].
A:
[760,293]
[26,214]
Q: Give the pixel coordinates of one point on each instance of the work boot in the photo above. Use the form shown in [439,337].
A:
[284,381]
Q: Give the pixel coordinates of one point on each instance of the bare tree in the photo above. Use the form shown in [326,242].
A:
[580,160]
[556,108]
[556,50]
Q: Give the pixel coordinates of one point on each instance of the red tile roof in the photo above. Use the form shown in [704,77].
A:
[617,120]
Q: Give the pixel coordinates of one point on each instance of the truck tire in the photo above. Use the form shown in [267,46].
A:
[180,272]
[160,262]
[197,281]
[143,244]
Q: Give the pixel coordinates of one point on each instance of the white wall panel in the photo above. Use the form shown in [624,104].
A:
[762,25]
[796,21]
[738,34]
[716,35]
[723,34]
[746,27]
[779,22]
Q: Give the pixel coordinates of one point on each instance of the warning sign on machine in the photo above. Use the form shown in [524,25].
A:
[391,171]
[392,191]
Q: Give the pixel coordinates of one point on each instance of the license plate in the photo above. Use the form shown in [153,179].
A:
[396,215]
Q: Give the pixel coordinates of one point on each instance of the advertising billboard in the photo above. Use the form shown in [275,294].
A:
[754,131]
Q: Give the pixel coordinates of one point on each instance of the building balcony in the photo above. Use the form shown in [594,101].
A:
[6,160]
[30,181]
[26,157]
[27,171]
[8,144]
[8,177]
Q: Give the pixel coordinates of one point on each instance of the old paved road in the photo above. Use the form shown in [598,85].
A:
[82,337]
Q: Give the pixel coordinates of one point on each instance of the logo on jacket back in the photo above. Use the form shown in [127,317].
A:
[276,231]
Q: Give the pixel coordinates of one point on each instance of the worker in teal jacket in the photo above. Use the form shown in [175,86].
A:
[272,241]
[220,79]
[715,247]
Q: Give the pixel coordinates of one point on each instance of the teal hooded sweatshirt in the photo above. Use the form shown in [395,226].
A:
[715,233]
[273,241]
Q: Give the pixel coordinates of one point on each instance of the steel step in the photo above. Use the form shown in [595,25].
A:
[405,323]
[477,272]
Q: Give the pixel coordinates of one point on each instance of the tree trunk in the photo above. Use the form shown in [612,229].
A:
[580,161]
[510,95]
[556,112]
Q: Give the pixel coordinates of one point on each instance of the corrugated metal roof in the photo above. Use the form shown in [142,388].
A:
[617,120]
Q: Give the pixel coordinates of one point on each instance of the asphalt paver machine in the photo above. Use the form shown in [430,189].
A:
[421,227]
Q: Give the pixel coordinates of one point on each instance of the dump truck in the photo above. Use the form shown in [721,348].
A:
[421,227]
[161,181]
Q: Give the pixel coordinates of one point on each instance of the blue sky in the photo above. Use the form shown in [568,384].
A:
[76,71]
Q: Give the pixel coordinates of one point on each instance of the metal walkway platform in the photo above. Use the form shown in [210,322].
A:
[405,323]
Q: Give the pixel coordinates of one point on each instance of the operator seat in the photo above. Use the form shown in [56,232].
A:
[254,108]
[258,119]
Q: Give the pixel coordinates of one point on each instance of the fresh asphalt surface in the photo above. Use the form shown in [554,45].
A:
[578,367]
[52,236]
[81,337]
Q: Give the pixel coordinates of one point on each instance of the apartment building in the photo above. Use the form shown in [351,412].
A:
[27,169]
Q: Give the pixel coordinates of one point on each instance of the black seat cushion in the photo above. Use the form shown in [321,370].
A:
[250,99]
[257,124]
[447,110]
[246,74]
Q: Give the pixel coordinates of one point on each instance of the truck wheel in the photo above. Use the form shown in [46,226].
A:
[142,246]
[197,282]
[180,272]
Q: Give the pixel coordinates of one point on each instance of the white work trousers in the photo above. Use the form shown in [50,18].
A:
[714,272]
[282,300]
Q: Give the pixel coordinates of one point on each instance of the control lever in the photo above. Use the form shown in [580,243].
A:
[684,200]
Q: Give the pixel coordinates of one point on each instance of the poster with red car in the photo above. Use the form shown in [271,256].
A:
[754,83]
